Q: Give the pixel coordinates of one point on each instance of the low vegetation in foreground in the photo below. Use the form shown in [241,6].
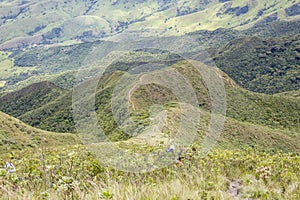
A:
[74,173]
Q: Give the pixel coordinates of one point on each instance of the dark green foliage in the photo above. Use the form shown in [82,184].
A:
[105,116]
[54,33]
[29,98]
[55,59]
[58,116]
[237,10]
[266,66]
[269,110]
[216,38]
[55,116]
[293,10]
[259,63]
[271,18]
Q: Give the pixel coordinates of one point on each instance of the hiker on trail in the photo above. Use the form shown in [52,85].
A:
[178,162]
[179,158]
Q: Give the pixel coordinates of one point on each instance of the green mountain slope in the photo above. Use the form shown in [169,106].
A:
[268,66]
[235,135]
[16,135]
[269,110]
[55,116]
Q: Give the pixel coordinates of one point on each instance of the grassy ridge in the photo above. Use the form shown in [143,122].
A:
[16,135]
[242,105]
[245,171]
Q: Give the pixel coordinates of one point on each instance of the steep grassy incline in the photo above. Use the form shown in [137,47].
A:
[29,98]
[235,135]
[16,135]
